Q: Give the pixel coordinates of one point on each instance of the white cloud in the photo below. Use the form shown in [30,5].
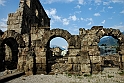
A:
[122,12]
[78,6]
[65,21]
[4,19]
[82,18]
[51,12]
[90,8]
[86,19]
[97,14]
[90,19]
[98,2]
[103,22]
[114,12]
[110,7]
[53,1]
[118,27]
[103,10]
[2,2]
[113,1]
[81,2]
[57,17]
[117,1]
[3,25]
[74,18]
[77,12]
[121,22]
[89,23]
[106,3]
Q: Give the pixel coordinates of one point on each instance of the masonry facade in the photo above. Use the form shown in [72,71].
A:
[28,37]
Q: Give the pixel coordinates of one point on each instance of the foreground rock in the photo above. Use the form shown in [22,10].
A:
[109,75]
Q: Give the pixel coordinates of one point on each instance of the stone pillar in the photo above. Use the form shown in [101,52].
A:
[121,57]
[40,56]
[2,56]
[85,62]
[95,59]
[73,60]
[2,53]
[89,44]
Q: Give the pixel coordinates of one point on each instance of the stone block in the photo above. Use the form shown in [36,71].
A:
[84,48]
[84,43]
[43,60]
[95,59]
[28,73]
[74,59]
[85,68]
[38,60]
[96,68]
[85,61]
[123,58]
[121,52]
[69,67]
[73,52]
[70,60]
[122,48]
[75,68]
[34,37]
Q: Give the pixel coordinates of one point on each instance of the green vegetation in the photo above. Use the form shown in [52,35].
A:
[121,73]
[110,76]
[87,75]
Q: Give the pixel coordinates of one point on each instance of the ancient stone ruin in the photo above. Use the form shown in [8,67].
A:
[25,45]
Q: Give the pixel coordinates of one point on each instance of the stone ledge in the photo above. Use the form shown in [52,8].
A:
[10,76]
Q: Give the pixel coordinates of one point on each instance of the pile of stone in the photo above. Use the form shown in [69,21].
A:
[109,75]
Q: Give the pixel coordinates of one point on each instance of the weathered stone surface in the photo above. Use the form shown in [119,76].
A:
[123,58]
[96,68]
[85,68]
[28,36]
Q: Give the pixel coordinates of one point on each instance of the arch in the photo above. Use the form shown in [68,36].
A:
[108,45]
[52,34]
[115,33]
[13,40]
[14,35]
[10,54]
[58,33]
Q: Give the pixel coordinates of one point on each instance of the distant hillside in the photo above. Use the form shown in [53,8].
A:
[109,41]
[53,46]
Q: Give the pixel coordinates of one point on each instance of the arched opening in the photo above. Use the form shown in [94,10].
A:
[109,47]
[58,46]
[10,53]
[56,55]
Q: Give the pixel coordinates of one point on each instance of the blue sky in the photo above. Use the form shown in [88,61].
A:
[74,14]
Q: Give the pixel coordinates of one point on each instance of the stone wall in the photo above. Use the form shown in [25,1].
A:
[2,57]
[111,60]
[29,28]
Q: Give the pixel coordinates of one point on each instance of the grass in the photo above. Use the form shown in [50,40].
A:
[110,76]
[87,75]
[121,73]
